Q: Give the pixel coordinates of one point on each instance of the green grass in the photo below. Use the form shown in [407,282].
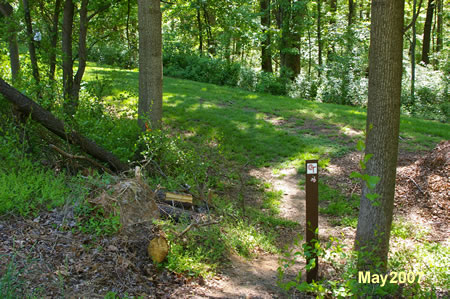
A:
[336,203]
[240,127]
[240,120]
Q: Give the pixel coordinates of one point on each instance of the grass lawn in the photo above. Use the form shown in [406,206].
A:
[261,129]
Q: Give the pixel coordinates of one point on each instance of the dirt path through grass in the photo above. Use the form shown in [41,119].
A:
[257,278]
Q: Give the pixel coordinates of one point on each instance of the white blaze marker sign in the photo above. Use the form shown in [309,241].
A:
[311,168]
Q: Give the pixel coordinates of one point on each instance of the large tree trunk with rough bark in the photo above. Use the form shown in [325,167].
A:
[266,53]
[48,120]
[150,64]
[383,120]
[427,33]
[6,11]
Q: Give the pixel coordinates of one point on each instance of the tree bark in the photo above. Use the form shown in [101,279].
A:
[7,11]
[351,12]
[382,127]
[266,53]
[413,53]
[54,40]
[200,28]
[45,118]
[72,84]
[150,64]
[440,24]
[82,53]
[427,33]
[319,36]
[210,39]
[290,41]
[67,61]
[31,46]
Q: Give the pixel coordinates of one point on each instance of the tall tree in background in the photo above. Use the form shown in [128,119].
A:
[382,128]
[72,84]
[67,62]
[413,52]
[30,37]
[54,39]
[351,12]
[427,32]
[6,10]
[200,27]
[290,38]
[440,24]
[319,36]
[266,53]
[150,64]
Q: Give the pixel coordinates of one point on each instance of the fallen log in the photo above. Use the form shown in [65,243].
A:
[28,107]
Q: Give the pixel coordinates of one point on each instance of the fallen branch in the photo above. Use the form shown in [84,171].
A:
[417,185]
[93,162]
[196,225]
[55,125]
[173,212]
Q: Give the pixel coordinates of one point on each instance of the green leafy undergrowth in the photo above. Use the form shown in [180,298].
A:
[91,219]
[203,249]
[337,203]
[11,285]
[25,185]
[174,163]
[427,263]
[94,220]
[429,258]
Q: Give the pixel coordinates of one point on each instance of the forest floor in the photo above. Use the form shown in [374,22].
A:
[422,197]
[60,263]
[266,139]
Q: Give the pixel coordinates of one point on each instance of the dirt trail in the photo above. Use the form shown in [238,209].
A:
[257,278]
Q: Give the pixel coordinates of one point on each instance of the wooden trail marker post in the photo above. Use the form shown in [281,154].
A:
[312,214]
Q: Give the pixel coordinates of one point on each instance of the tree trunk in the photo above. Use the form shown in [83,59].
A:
[319,36]
[54,40]
[31,46]
[383,120]
[67,62]
[290,42]
[71,84]
[332,22]
[413,54]
[127,27]
[351,12]
[150,64]
[82,54]
[440,24]
[45,118]
[210,40]
[7,11]
[200,28]
[361,10]
[427,32]
[266,53]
